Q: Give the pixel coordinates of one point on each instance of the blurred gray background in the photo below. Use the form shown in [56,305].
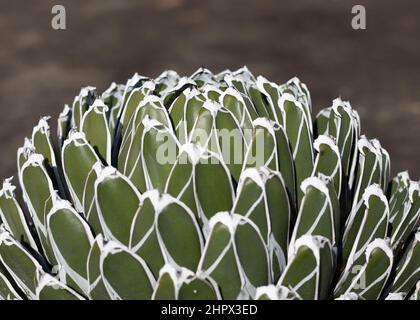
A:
[378,69]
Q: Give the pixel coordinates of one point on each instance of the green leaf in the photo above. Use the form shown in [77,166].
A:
[8,288]
[220,260]
[368,172]
[95,127]
[408,269]
[126,275]
[368,280]
[251,251]
[269,147]
[212,185]
[80,105]
[408,219]
[318,213]
[321,122]
[67,231]
[143,234]
[365,225]
[180,183]
[178,232]
[90,209]
[272,292]
[310,269]
[328,161]
[262,197]
[167,284]
[300,138]
[63,125]
[117,201]
[39,194]
[343,126]
[198,288]
[97,289]
[50,288]
[20,264]
[78,158]
[12,215]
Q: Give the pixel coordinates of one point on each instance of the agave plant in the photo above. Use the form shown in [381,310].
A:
[213,186]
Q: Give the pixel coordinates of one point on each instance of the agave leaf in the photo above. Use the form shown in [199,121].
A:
[318,214]
[23,153]
[408,269]
[80,105]
[95,127]
[343,126]
[78,158]
[12,215]
[39,194]
[213,186]
[49,288]
[213,91]
[262,197]
[90,209]
[272,292]
[117,202]
[8,289]
[143,234]
[241,79]
[167,284]
[416,293]
[149,107]
[300,138]
[63,125]
[269,147]
[233,101]
[328,161]
[301,94]
[310,269]
[252,253]
[271,92]
[368,279]
[166,81]
[259,100]
[180,183]
[159,151]
[112,96]
[198,288]
[42,143]
[365,225]
[113,123]
[126,275]
[171,95]
[321,122]
[202,76]
[135,97]
[183,284]
[67,230]
[398,192]
[178,232]
[215,129]
[97,289]
[20,264]
[408,219]
[151,128]
[368,170]
[220,260]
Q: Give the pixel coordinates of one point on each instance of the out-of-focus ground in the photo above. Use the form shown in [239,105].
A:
[378,69]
